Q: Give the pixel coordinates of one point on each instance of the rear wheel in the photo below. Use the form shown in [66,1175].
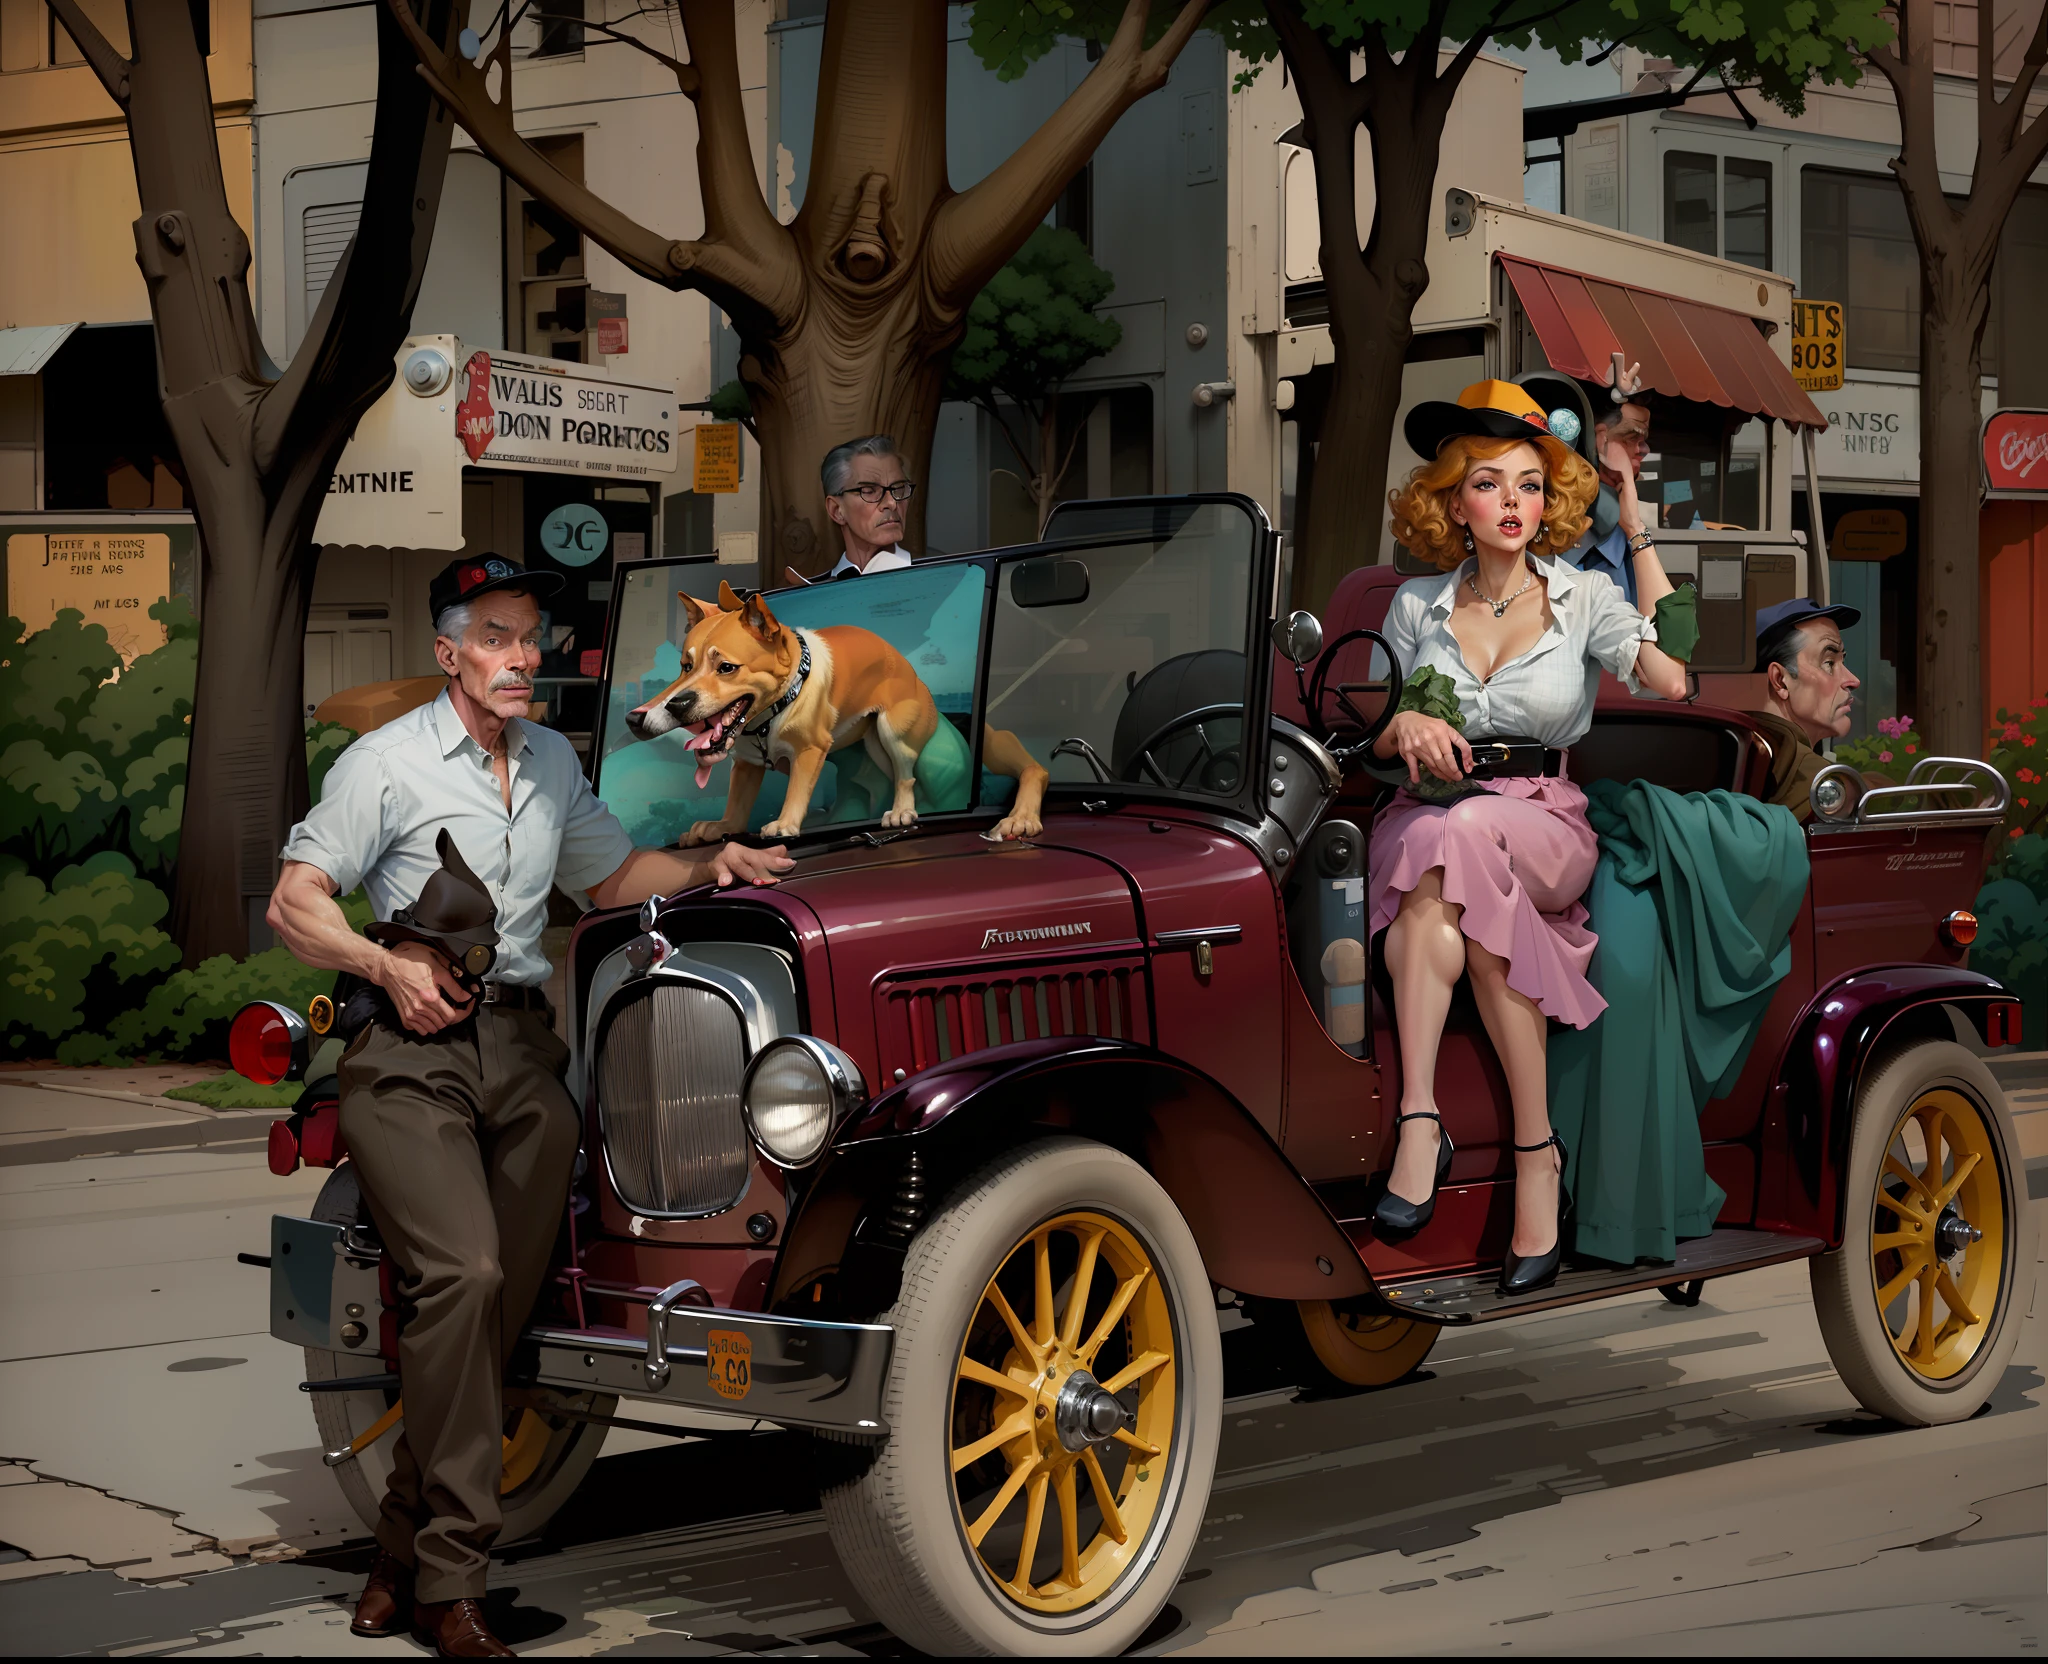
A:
[1347,1348]
[546,1451]
[1922,1304]
[1053,1399]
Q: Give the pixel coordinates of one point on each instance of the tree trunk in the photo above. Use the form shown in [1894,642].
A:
[847,315]
[257,447]
[1372,290]
[1951,681]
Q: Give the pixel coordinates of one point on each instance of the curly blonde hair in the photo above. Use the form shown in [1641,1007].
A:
[1422,519]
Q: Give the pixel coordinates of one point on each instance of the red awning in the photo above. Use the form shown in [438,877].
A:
[1687,350]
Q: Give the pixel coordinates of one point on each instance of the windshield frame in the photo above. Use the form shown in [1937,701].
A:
[1246,804]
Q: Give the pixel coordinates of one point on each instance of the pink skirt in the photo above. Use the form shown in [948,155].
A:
[1516,859]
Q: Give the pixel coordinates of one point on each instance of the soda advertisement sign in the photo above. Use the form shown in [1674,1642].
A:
[2016,451]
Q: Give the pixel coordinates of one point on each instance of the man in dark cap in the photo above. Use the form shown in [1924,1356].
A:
[452,1102]
[1809,692]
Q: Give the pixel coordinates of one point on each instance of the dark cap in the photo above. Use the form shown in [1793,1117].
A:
[471,576]
[1774,623]
[454,913]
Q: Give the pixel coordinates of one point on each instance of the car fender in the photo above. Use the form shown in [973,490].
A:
[1845,1028]
[1260,1228]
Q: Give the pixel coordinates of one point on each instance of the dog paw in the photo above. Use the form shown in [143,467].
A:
[900,817]
[782,829]
[1018,826]
[705,832]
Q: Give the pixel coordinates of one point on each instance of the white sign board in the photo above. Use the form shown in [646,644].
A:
[1873,433]
[399,482]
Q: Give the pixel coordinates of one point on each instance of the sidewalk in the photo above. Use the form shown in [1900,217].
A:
[53,1115]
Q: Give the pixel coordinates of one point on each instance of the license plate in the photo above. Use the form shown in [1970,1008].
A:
[730,1361]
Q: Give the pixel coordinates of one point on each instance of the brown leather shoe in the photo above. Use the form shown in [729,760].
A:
[456,1629]
[386,1600]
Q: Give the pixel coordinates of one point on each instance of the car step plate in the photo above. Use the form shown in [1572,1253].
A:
[1475,1297]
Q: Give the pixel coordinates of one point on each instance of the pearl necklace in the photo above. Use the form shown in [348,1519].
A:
[1500,607]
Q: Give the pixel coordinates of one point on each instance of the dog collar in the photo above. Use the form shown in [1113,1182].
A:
[803,671]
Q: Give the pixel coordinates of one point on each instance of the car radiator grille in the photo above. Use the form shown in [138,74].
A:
[931,1022]
[668,1099]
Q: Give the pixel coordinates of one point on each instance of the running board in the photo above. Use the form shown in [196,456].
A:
[1475,1297]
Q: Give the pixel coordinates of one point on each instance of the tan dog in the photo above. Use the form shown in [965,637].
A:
[747,692]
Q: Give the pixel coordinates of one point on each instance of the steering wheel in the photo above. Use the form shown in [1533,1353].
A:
[1313,694]
[1207,758]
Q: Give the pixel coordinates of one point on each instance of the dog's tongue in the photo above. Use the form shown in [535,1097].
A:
[703,775]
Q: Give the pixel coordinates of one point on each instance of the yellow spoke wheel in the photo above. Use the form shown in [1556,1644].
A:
[1364,1349]
[1063,1412]
[1938,1231]
[1921,1305]
[524,1447]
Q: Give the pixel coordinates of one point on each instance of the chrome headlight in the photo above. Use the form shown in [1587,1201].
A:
[797,1090]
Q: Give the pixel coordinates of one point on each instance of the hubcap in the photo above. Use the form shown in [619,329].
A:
[1937,1235]
[1063,1418]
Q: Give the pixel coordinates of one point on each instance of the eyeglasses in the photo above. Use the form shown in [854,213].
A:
[869,492]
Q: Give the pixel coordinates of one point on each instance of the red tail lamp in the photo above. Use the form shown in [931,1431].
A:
[1959,929]
[267,1043]
[2002,1024]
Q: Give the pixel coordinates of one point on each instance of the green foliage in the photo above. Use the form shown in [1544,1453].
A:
[325,741]
[232,1091]
[78,940]
[1034,325]
[1891,751]
[1779,45]
[732,403]
[1431,692]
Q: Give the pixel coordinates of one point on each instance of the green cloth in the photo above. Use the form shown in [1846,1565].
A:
[1693,902]
[1677,618]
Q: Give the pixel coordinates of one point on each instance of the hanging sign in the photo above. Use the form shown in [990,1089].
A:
[606,311]
[2016,451]
[1819,346]
[575,534]
[718,457]
[1868,534]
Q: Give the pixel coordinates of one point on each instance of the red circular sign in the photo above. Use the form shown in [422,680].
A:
[2016,450]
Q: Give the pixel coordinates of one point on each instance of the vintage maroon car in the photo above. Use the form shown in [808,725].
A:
[950,1150]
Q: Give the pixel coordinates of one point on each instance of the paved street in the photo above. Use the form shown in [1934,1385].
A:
[1626,1478]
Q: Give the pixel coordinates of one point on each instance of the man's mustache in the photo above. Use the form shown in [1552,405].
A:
[510,679]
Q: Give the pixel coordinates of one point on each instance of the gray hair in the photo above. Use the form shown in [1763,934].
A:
[836,472]
[455,621]
[1785,651]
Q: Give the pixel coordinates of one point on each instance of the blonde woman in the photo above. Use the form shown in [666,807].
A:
[1489,884]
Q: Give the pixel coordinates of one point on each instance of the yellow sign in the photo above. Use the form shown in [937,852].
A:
[718,457]
[730,1361]
[1819,347]
[114,578]
[1869,534]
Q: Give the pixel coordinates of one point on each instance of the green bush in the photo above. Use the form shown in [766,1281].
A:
[87,940]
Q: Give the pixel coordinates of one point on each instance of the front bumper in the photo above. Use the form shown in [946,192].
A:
[748,1365]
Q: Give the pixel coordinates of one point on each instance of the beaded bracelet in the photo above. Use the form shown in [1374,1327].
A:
[1640,542]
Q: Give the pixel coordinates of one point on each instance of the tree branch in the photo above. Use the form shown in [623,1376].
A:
[107,64]
[977,230]
[1332,105]
[344,362]
[734,275]
[2015,106]
[685,74]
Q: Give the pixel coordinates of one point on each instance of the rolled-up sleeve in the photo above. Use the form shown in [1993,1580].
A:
[594,844]
[348,830]
[1615,631]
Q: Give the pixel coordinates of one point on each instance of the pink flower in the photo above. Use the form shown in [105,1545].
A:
[2012,731]
[1884,756]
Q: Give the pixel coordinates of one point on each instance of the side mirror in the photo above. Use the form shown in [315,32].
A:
[1049,581]
[1299,636]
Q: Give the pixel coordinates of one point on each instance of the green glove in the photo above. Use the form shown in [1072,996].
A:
[1678,622]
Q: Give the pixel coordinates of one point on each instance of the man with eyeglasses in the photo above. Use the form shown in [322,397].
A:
[865,493]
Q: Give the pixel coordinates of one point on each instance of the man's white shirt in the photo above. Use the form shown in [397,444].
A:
[883,560]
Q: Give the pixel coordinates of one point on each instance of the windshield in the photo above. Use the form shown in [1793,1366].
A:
[927,621]
[1139,676]
[1117,656]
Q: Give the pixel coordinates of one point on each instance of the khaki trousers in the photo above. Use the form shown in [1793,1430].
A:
[463,1144]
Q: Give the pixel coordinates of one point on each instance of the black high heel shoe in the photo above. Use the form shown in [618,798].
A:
[1525,1276]
[1396,1215]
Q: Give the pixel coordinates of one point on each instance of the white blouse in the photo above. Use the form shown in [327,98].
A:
[1547,693]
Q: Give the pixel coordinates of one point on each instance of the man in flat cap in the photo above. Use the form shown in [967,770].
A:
[1809,692]
[452,1101]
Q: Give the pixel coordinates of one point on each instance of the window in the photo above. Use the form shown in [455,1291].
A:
[1855,246]
[2019,354]
[1718,205]
[549,280]
[561,28]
